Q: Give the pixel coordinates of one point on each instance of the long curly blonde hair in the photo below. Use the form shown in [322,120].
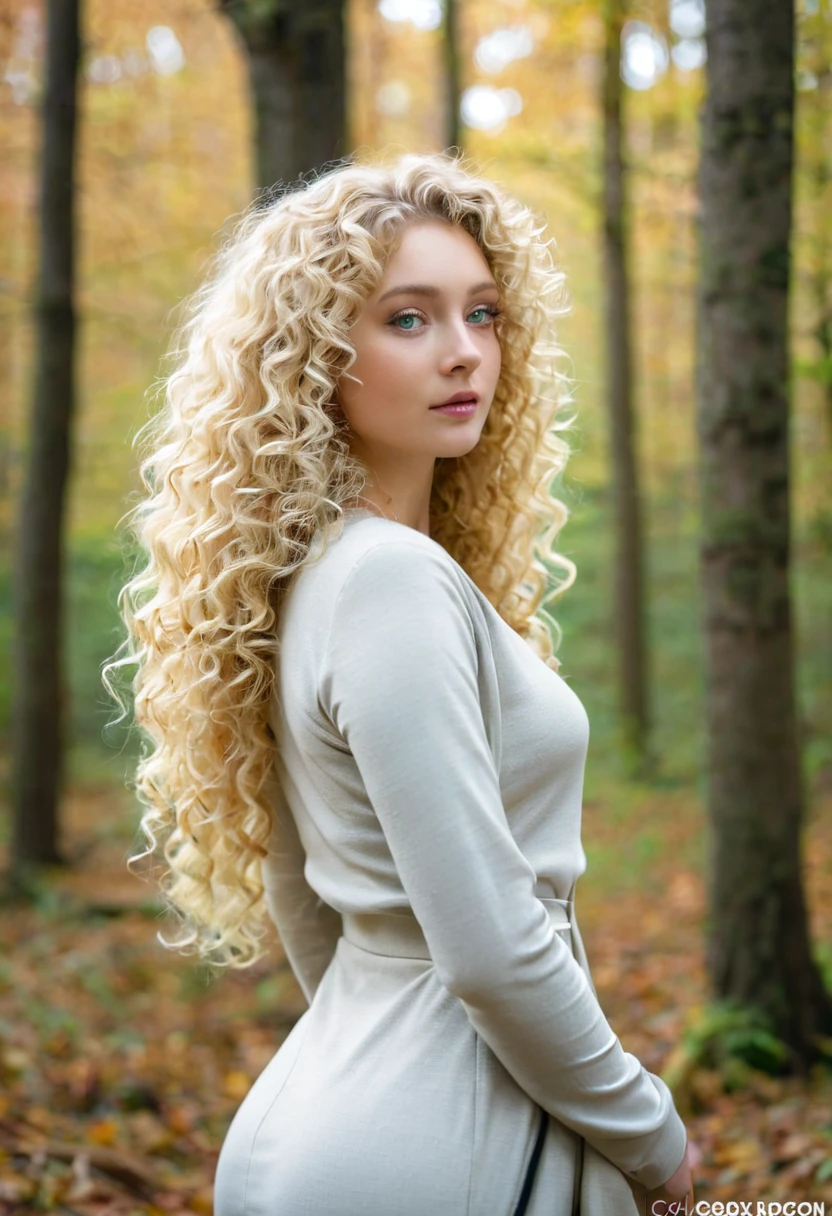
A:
[248,457]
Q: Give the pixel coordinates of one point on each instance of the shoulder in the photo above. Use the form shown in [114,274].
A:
[376,551]
[393,561]
[388,579]
[400,621]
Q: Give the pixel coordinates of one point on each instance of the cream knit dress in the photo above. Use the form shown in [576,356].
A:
[426,848]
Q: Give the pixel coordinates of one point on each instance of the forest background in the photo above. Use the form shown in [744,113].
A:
[165,162]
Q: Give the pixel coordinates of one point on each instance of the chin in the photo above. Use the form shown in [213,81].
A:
[461,444]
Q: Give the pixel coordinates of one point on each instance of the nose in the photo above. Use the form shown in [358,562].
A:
[462,348]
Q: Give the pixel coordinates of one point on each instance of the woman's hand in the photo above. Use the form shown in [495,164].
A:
[678,1187]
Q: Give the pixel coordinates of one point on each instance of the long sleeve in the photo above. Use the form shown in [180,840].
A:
[308,928]
[399,684]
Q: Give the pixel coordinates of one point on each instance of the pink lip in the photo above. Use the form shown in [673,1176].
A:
[457,409]
[458,399]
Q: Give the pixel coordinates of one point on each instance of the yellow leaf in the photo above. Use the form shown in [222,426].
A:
[104,1131]
[738,1152]
[203,1202]
[236,1084]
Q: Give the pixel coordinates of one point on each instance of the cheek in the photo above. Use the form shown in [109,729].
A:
[382,367]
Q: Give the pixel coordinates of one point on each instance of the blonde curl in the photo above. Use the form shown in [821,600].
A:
[248,457]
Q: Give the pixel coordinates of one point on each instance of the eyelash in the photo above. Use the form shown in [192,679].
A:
[491,309]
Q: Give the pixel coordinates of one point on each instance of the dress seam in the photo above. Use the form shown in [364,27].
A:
[266,1113]
[474,1121]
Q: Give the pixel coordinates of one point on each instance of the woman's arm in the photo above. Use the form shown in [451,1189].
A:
[399,684]
[309,928]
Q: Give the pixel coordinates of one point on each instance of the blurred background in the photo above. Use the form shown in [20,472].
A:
[122,1062]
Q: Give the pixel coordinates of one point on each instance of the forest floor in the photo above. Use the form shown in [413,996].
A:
[122,1063]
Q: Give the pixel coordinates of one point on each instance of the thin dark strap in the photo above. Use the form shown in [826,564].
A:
[525,1194]
[579,1173]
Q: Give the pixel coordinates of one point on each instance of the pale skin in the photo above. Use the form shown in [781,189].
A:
[407,363]
[415,350]
[679,1187]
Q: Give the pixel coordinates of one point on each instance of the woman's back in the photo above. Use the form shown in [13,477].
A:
[426,848]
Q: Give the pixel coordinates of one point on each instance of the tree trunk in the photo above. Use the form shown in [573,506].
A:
[297,71]
[450,54]
[820,175]
[758,947]
[38,699]
[628,592]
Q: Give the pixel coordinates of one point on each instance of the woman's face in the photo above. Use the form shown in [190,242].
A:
[425,334]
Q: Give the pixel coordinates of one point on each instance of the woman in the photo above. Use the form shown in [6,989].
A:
[358,724]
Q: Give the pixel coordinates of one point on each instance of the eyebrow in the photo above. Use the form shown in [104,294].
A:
[425,289]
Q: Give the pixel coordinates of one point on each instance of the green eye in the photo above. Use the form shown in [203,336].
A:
[490,310]
[406,316]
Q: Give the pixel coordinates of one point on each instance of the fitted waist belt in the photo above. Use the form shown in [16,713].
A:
[401,934]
